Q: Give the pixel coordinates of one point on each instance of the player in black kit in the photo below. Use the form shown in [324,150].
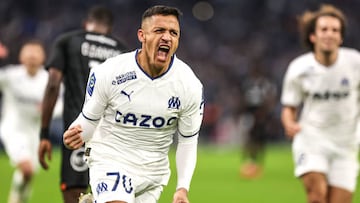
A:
[72,56]
[259,100]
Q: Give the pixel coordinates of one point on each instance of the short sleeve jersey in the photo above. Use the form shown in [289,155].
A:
[329,95]
[141,114]
[74,54]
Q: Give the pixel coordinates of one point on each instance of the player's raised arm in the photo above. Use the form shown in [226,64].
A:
[81,130]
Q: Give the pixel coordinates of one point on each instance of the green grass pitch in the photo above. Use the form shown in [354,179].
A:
[216,179]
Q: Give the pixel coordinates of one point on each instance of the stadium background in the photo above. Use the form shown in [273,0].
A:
[221,39]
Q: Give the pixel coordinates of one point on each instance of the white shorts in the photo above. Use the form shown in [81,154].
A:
[20,147]
[339,164]
[111,182]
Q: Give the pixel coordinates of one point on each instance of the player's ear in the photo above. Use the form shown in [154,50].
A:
[83,24]
[141,35]
[312,38]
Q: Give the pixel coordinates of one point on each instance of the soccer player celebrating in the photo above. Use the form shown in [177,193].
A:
[72,57]
[23,88]
[135,104]
[326,81]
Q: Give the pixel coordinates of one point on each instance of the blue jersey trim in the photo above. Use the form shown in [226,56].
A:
[188,136]
[89,118]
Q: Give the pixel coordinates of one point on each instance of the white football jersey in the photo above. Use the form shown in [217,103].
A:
[21,101]
[141,114]
[22,96]
[329,95]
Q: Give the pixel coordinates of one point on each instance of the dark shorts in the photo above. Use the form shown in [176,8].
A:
[258,133]
[74,170]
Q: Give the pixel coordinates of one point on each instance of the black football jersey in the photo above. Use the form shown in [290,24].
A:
[74,54]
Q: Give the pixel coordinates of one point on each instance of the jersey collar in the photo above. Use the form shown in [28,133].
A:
[153,78]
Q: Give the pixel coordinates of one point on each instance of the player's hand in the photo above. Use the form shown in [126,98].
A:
[45,149]
[291,129]
[72,137]
[181,196]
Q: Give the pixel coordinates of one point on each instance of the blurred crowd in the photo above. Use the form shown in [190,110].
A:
[222,40]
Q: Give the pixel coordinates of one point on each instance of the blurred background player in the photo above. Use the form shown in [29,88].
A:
[72,56]
[23,87]
[326,82]
[259,99]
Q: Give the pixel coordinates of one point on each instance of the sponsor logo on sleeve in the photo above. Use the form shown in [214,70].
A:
[91,84]
[124,77]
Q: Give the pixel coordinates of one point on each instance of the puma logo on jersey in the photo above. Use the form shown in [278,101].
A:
[126,94]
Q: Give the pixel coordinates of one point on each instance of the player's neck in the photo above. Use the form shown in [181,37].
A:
[149,68]
[326,58]
[32,71]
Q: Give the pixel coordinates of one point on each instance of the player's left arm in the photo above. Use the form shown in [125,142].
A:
[186,154]
[82,129]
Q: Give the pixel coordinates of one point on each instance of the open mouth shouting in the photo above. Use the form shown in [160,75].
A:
[163,52]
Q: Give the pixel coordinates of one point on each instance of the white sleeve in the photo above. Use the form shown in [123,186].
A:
[94,105]
[88,126]
[192,115]
[96,94]
[292,93]
[59,106]
[186,156]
